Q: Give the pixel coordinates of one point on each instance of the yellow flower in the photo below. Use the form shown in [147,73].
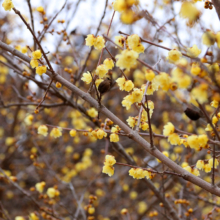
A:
[200,164]
[114,138]
[43,129]
[34,63]
[144,126]
[109,160]
[101,70]
[119,5]
[33,216]
[128,86]
[40,9]
[193,51]
[51,192]
[127,102]
[101,134]
[24,49]
[108,170]
[138,173]
[203,140]
[182,79]
[121,82]
[174,139]
[208,38]
[211,162]
[189,11]
[90,40]
[108,165]
[98,81]
[149,75]
[87,78]
[218,39]
[137,95]
[214,120]
[194,171]
[92,112]
[208,128]
[7,5]
[56,132]
[193,141]
[126,59]
[41,69]
[168,129]
[200,93]
[73,133]
[99,43]
[215,104]
[29,119]
[120,40]
[134,43]
[109,63]
[91,210]
[19,218]
[207,168]
[40,186]
[184,164]
[131,121]
[142,207]
[163,80]
[36,54]
[195,69]
[174,55]
[128,16]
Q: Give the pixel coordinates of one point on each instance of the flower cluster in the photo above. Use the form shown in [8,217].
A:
[124,84]
[134,43]
[114,136]
[197,142]
[99,133]
[194,171]
[127,59]
[34,63]
[125,8]
[173,138]
[207,165]
[108,165]
[138,173]
[98,42]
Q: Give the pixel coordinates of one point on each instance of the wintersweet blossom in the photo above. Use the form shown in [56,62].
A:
[7,5]
[149,75]
[99,43]
[189,11]
[51,192]
[114,138]
[138,173]
[121,82]
[174,55]
[127,59]
[193,51]
[208,38]
[128,86]
[134,43]
[108,63]
[200,164]
[214,104]
[168,129]
[101,70]
[120,40]
[90,40]
[211,162]
[36,54]
[40,186]
[194,171]
[56,132]
[174,139]
[43,130]
[34,63]
[132,121]
[108,165]
[200,93]
[92,112]
[73,133]
[41,70]
[87,78]
[100,134]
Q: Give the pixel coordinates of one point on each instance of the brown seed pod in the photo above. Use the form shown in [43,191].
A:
[192,114]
